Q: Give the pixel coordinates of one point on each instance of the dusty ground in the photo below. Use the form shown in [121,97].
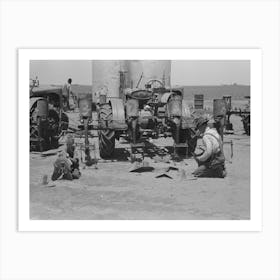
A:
[112,192]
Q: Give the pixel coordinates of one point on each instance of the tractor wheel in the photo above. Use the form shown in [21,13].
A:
[246,125]
[52,132]
[54,143]
[186,136]
[182,139]
[106,136]
[179,136]
[64,121]
[133,131]
[192,141]
[35,143]
[247,130]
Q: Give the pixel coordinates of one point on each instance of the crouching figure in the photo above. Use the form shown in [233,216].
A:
[66,167]
[211,162]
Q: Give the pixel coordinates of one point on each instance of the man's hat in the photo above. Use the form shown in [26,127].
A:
[200,121]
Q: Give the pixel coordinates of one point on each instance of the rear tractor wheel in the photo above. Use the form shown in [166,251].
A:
[36,142]
[106,136]
[184,136]
[246,124]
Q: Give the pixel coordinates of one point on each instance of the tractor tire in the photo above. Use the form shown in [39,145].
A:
[183,139]
[246,125]
[52,132]
[133,126]
[186,136]
[247,130]
[54,142]
[191,140]
[106,136]
[36,145]
[64,121]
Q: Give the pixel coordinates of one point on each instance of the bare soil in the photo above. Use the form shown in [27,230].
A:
[112,192]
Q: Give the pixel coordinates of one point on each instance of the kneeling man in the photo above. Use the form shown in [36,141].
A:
[211,163]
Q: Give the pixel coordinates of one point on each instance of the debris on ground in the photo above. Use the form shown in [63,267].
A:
[171,168]
[116,194]
[165,158]
[45,180]
[182,174]
[46,183]
[164,175]
[141,167]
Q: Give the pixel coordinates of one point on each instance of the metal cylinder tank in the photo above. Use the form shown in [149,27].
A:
[106,77]
[219,108]
[141,71]
[112,76]
[227,99]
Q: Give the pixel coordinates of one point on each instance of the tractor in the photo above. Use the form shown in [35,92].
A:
[245,115]
[150,112]
[48,121]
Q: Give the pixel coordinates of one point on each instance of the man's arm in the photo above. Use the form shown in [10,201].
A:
[207,151]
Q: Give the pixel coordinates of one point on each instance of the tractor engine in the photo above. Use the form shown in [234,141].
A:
[140,113]
[146,118]
[150,112]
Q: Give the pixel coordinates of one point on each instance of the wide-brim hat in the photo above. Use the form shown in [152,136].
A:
[200,121]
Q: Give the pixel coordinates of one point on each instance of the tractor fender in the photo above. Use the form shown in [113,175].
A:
[165,97]
[33,100]
[33,110]
[118,114]
[186,113]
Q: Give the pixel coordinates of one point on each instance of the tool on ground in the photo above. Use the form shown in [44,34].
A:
[141,167]
[46,182]
[171,168]
[231,149]
[164,175]
[182,174]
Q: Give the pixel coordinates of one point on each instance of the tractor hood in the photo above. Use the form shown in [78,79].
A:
[44,90]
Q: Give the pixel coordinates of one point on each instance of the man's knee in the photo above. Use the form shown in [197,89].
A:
[56,174]
[203,171]
[222,173]
[200,171]
[218,172]
[68,176]
[76,174]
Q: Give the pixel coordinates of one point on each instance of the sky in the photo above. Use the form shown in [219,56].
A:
[183,72]
[210,72]
[58,71]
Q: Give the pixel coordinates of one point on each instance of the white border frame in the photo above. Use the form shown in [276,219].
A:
[254,224]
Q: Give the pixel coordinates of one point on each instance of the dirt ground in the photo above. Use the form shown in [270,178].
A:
[112,192]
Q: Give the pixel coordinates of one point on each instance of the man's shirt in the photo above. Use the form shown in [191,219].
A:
[210,143]
[66,90]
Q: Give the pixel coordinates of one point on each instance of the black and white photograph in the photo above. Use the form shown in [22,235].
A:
[139,139]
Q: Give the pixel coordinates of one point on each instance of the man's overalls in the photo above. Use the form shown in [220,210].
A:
[213,167]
